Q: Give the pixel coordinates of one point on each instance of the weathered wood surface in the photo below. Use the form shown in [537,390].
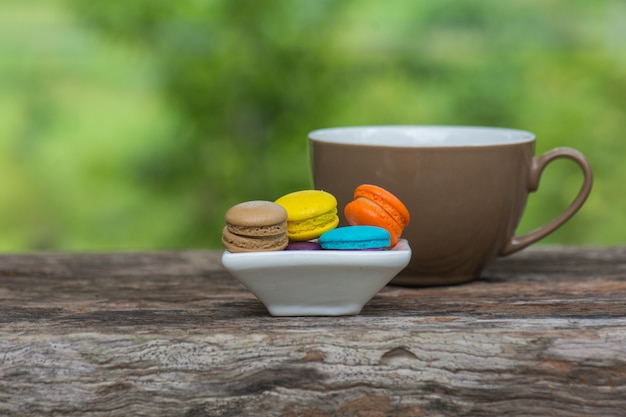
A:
[172,334]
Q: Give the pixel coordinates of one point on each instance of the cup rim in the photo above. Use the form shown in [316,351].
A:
[422,136]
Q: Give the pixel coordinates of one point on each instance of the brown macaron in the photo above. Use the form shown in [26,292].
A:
[255,226]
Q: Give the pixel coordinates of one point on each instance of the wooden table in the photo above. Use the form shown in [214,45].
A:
[172,334]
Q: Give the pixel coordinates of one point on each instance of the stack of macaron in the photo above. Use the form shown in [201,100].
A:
[308,220]
[255,226]
[375,206]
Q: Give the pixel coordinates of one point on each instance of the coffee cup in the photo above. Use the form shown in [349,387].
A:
[465,187]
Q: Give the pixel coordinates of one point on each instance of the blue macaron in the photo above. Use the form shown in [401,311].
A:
[355,238]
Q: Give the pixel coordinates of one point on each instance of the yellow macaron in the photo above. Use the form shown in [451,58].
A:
[309,213]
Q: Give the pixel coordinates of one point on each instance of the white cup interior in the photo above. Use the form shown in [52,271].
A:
[422,136]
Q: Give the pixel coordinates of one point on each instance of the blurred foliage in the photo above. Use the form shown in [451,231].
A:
[137,124]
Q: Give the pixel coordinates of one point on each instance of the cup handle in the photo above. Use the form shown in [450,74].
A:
[538,164]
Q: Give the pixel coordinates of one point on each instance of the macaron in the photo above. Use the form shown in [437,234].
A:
[303,245]
[255,226]
[309,213]
[356,238]
[374,206]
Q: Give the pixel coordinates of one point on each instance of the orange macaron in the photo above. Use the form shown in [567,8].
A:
[374,206]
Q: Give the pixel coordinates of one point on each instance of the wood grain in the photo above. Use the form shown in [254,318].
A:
[542,333]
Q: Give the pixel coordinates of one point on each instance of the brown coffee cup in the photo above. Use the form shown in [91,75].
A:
[465,187]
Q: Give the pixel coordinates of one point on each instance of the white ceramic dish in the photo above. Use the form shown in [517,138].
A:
[317,282]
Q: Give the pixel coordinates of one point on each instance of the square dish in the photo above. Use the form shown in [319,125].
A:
[316,282]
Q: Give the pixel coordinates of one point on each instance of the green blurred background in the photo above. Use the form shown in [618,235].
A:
[136,124]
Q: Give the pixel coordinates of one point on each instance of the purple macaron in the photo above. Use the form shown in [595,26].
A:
[306,245]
